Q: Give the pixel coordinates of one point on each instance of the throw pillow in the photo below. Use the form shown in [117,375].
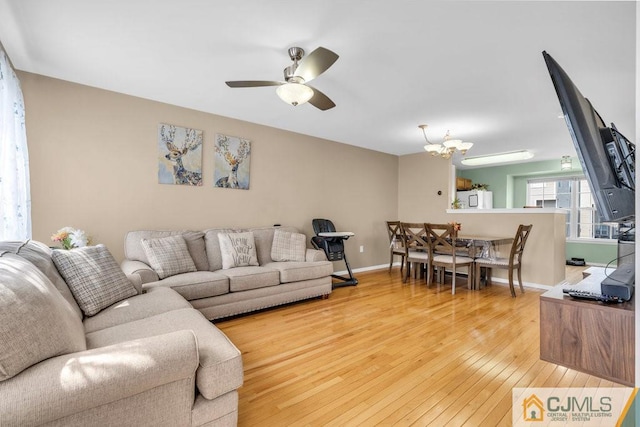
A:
[94,277]
[39,254]
[168,256]
[197,250]
[237,250]
[288,246]
[36,322]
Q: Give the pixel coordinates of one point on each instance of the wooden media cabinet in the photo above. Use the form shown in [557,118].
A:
[588,336]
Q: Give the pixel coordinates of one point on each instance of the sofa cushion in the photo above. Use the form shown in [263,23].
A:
[39,254]
[297,271]
[195,244]
[168,256]
[133,249]
[156,301]
[235,303]
[237,250]
[220,369]
[94,277]
[263,237]
[288,246]
[245,278]
[196,285]
[36,322]
[212,245]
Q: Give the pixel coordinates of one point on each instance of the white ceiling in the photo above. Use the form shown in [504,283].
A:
[473,67]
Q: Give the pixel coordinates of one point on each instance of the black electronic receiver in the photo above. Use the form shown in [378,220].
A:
[574,293]
[620,282]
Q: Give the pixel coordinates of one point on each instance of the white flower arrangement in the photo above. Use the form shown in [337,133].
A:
[71,238]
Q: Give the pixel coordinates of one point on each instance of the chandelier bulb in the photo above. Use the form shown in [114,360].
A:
[448,147]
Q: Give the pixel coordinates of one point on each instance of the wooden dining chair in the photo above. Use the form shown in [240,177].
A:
[514,262]
[416,248]
[443,253]
[395,243]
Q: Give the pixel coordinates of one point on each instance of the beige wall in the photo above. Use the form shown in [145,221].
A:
[421,177]
[544,255]
[93,156]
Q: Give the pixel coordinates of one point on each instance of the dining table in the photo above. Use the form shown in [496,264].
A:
[476,246]
[484,247]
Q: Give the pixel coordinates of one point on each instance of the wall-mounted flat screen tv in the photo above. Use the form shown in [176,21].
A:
[606,156]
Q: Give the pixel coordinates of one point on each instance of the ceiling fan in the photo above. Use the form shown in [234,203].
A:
[295,90]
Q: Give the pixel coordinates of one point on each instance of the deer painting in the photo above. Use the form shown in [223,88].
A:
[183,147]
[231,154]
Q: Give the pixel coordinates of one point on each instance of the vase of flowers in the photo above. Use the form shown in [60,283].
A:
[71,238]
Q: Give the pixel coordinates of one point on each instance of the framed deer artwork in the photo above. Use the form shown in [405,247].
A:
[232,161]
[179,155]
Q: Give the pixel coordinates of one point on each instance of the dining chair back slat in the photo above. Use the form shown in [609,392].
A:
[443,253]
[415,245]
[512,264]
[396,246]
[515,257]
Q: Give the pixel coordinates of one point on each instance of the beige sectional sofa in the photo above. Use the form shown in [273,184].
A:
[149,359]
[296,273]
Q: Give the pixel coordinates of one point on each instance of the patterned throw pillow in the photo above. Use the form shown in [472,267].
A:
[237,250]
[169,255]
[288,246]
[36,322]
[94,277]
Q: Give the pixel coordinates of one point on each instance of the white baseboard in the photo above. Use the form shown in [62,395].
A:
[505,282]
[363,269]
[599,264]
[495,280]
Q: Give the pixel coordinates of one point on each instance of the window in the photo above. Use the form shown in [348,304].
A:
[573,194]
[15,199]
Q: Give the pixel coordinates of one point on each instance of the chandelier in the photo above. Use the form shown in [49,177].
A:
[448,146]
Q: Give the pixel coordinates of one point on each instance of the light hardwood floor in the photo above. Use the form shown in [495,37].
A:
[388,353]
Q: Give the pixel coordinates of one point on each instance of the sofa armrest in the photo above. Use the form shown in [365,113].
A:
[315,255]
[77,382]
[146,274]
[136,280]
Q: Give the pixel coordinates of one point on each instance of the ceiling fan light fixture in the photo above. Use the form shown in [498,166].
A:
[293,89]
[294,93]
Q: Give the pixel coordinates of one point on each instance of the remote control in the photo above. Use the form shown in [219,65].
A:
[574,293]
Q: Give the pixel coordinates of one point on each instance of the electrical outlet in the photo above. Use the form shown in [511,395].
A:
[361,249]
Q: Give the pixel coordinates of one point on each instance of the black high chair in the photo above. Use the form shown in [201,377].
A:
[331,242]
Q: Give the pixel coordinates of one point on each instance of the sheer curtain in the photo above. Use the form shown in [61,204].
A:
[15,197]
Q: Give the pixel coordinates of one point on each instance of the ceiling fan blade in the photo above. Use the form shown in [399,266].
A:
[320,100]
[316,63]
[253,83]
